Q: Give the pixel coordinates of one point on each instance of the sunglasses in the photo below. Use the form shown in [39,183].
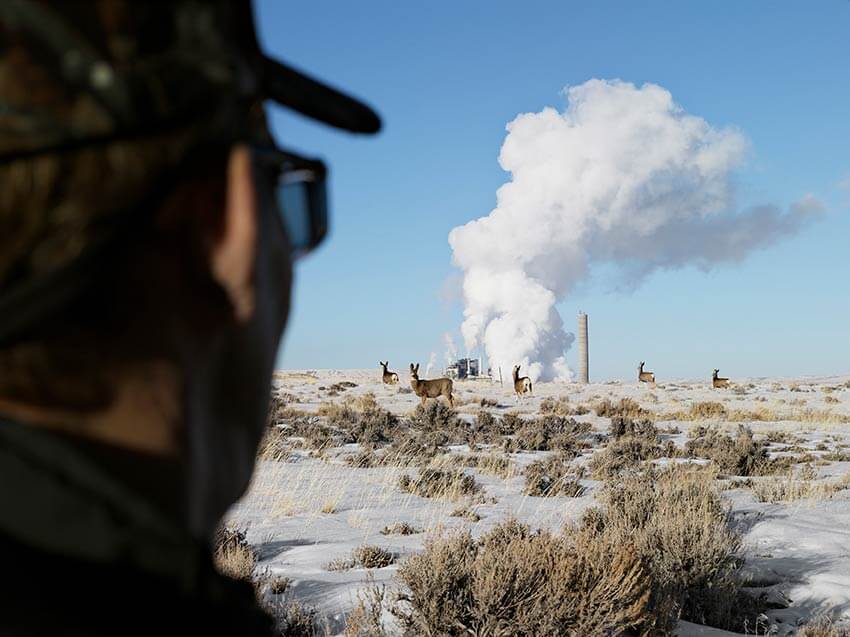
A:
[298,188]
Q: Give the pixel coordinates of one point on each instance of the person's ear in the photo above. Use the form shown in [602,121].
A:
[232,258]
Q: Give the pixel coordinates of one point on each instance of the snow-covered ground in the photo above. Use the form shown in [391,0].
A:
[305,512]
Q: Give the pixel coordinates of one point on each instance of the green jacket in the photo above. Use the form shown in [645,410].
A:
[89,545]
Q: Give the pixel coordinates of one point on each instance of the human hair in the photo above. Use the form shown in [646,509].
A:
[152,285]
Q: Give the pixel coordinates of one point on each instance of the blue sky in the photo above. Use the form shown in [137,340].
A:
[446,78]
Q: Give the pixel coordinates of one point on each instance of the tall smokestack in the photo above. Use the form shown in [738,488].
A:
[583,361]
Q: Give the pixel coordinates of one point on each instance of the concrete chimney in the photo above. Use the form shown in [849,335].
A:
[583,360]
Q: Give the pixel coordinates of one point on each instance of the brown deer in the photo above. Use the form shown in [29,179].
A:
[430,388]
[521,385]
[717,382]
[645,377]
[389,378]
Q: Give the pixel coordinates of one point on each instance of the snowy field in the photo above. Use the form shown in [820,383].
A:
[311,507]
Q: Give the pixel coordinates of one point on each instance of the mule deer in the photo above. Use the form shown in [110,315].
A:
[717,382]
[430,388]
[521,385]
[389,378]
[645,377]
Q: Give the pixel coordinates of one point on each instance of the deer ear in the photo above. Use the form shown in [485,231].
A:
[411,367]
[417,367]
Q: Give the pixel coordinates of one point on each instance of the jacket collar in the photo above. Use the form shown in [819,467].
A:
[57,498]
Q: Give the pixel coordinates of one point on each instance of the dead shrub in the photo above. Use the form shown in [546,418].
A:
[679,526]
[552,476]
[435,414]
[708,410]
[625,408]
[400,528]
[516,582]
[491,463]
[739,455]
[361,420]
[416,447]
[436,418]
[511,423]
[467,514]
[551,433]
[294,619]
[622,454]
[369,556]
[280,410]
[621,426]
[561,407]
[489,429]
[436,483]
[232,555]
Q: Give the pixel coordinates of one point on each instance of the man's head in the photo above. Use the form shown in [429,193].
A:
[146,233]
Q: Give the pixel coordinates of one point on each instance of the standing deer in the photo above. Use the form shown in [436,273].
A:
[430,388]
[389,378]
[717,382]
[645,377]
[521,385]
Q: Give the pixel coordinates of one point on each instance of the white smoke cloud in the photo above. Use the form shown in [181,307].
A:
[623,176]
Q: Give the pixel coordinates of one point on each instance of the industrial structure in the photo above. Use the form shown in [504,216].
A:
[583,360]
[464,368]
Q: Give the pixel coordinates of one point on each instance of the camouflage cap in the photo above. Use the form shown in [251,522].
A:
[78,70]
[129,87]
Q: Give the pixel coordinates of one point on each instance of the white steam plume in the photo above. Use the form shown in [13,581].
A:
[451,349]
[623,176]
[432,360]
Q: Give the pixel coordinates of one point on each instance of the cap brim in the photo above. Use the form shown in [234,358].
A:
[313,99]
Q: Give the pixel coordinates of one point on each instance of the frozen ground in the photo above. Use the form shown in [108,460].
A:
[305,512]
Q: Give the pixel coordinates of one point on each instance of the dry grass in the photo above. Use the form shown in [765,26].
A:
[824,627]
[790,489]
[365,619]
[492,463]
[516,582]
[295,620]
[711,410]
[275,445]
